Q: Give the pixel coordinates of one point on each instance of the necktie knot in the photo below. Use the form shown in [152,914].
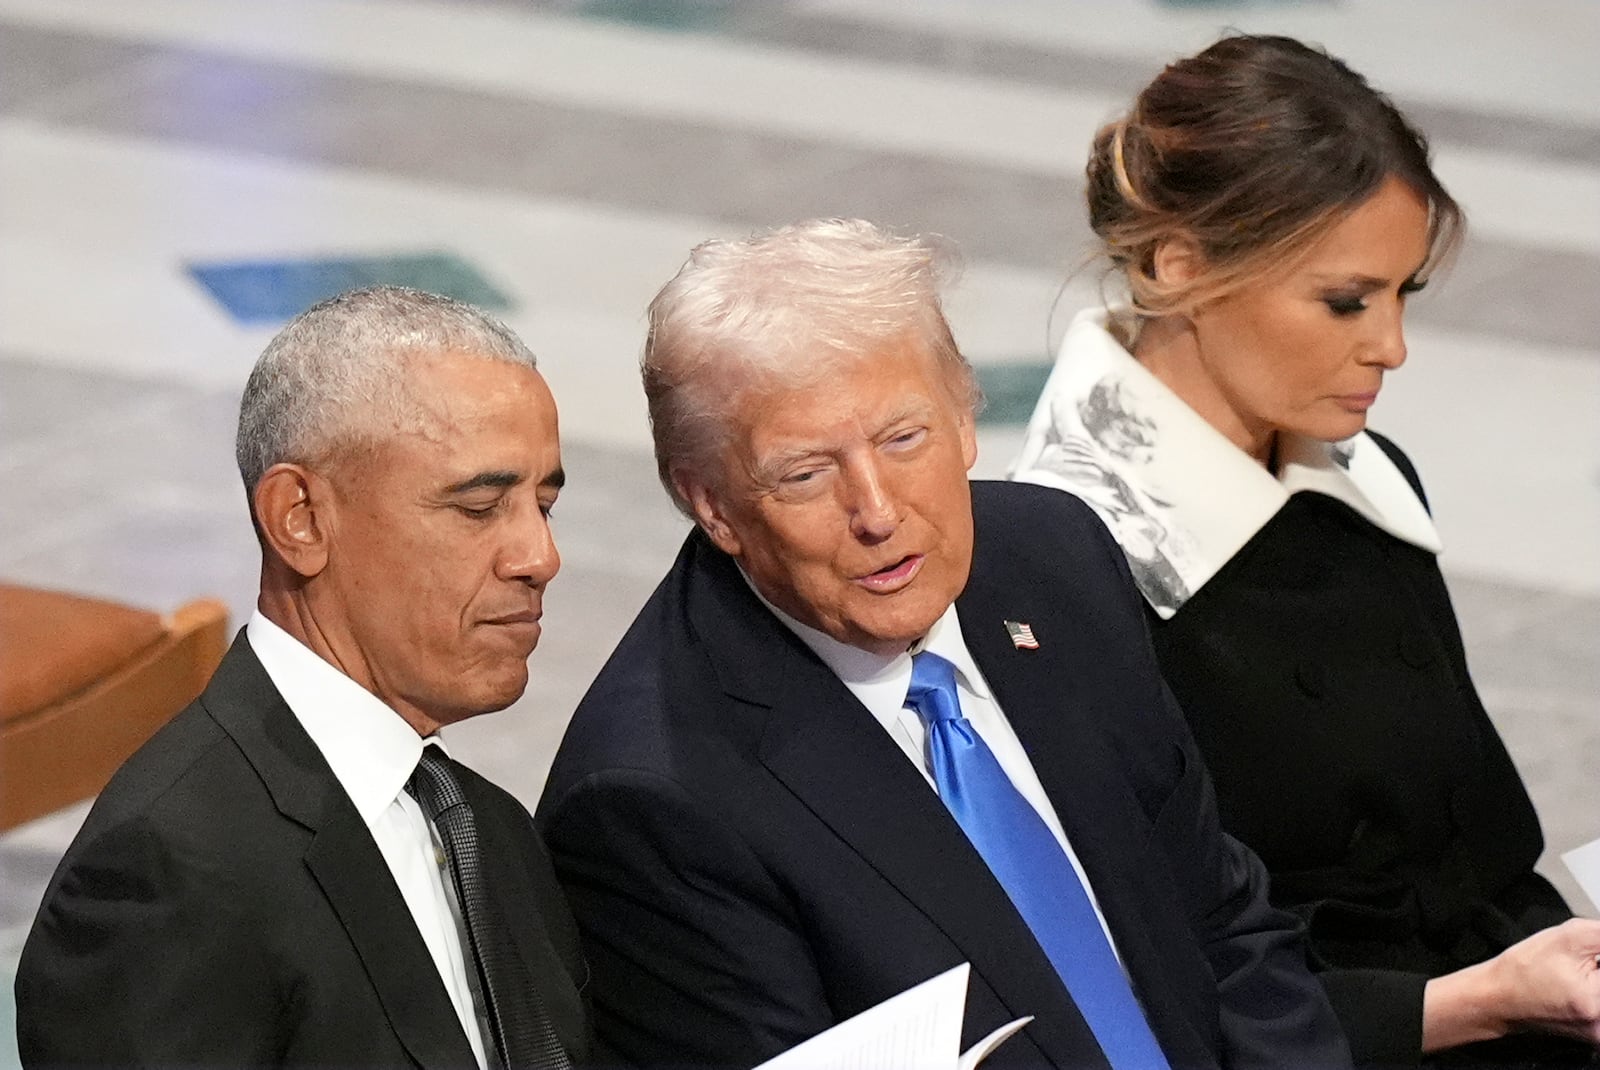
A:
[933,688]
[433,784]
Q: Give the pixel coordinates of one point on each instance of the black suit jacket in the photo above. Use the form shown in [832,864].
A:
[751,858]
[225,905]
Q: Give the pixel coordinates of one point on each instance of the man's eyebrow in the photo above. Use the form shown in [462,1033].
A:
[497,480]
[785,457]
[500,480]
[764,471]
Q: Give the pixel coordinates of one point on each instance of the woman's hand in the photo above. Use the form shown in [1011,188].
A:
[1548,983]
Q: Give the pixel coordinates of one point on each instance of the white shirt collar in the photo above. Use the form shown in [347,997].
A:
[371,750]
[881,682]
[1180,498]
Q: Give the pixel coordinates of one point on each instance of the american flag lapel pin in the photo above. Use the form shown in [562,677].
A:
[1021,635]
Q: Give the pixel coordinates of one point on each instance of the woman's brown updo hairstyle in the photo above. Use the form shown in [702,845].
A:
[1251,150]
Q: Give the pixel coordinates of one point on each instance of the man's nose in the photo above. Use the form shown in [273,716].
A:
[530,552]
[874,512]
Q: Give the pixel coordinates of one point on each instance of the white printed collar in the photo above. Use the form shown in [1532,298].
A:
[1180,498]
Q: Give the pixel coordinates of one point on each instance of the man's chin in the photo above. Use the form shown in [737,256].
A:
[888,639]
[494,695]
[896,627]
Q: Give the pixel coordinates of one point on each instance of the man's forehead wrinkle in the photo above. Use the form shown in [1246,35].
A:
[917,405]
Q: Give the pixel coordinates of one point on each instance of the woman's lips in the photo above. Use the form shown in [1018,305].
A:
[1357,402]
[894,577]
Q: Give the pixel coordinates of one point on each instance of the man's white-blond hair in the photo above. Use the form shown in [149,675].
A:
[780,311]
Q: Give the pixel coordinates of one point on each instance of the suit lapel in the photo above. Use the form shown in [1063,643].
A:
[1054,714]
[825,747]
[343,858]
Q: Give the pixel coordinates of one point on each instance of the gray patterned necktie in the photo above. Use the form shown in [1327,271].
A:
[522,1031]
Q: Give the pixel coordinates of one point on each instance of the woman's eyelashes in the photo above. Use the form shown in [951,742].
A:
[1351,304]
[1341,305]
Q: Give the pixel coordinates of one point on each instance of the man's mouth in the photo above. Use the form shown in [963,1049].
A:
[527,616]
[521,626]
[894,576]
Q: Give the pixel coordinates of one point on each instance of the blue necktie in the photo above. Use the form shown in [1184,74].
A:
[1030,865]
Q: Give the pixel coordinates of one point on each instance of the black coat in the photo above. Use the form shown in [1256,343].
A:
[1323,674]
[225,905]
[752,859]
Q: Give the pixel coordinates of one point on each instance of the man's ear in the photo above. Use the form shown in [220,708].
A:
[967,427]
[708,513]
[294,512]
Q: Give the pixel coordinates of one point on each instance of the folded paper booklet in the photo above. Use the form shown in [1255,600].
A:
[920,1029]
[1584,864]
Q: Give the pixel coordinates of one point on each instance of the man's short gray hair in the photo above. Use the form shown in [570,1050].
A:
[782,310]
[337,372]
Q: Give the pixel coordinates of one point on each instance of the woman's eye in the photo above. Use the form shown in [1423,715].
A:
[1345,306]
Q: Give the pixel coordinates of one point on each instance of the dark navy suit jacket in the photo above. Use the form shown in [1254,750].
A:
[752,859]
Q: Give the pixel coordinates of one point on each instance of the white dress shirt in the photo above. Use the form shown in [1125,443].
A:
[373,752]
[881,684]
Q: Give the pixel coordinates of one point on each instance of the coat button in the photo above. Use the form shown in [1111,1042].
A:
[1312,678]
[1415,649]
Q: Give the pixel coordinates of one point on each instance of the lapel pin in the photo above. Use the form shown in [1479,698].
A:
[1021,635]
